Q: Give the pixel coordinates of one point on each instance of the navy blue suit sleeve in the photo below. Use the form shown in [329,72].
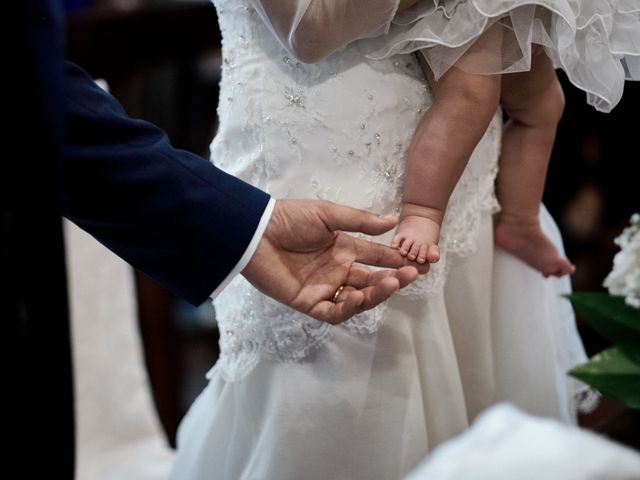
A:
[168,212]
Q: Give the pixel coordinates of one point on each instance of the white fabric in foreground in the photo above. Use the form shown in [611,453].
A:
[505,444]
[118,434]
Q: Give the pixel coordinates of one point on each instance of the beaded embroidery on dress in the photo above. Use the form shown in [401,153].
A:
[298,131]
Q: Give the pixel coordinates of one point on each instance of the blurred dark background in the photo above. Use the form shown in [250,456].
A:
[161,59]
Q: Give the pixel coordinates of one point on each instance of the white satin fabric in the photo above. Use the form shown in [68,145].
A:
[506,443]
[294,398]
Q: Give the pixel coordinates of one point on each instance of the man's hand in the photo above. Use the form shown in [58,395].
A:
[304,257]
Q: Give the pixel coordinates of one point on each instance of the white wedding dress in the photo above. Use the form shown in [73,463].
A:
[294,398]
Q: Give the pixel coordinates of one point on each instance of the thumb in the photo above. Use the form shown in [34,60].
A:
[347,219]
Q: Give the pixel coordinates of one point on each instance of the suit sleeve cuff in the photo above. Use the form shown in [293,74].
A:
[251,249]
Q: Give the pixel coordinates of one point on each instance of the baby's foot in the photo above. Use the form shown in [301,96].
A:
[417,238]
[526,240]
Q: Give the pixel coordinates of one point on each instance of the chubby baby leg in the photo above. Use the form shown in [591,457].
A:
[440,149]
[534,102]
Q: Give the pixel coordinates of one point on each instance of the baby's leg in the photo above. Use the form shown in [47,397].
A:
[534,102]
[440,149]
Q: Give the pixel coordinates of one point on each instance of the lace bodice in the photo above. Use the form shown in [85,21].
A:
[337,130]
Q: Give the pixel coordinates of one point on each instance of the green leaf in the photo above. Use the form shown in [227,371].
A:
[612,318]
[613,374]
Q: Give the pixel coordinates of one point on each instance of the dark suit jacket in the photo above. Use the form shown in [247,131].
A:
[167,212]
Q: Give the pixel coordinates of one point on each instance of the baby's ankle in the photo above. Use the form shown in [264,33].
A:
[519,219]
[415,210]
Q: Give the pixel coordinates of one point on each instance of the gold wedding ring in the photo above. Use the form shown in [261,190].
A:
[337,294]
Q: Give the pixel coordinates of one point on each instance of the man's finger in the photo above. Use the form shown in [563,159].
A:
[356,301]
[375,254]
[406,275]
[335,313]
[343,293]
[361,277]
[380,292]
[347,219]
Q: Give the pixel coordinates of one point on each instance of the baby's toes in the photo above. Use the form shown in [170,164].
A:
[405,246]
[433,253]
[422,254]
[560,268]
[414,251]
[566,268]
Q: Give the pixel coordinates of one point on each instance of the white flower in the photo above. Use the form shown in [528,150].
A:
[624,279]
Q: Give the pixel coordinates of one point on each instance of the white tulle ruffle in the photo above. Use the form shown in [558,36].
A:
[596,42]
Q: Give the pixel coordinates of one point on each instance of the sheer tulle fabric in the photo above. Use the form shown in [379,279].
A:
[313,29]
[596,42]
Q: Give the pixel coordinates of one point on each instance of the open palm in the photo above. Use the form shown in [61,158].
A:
[305,256]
